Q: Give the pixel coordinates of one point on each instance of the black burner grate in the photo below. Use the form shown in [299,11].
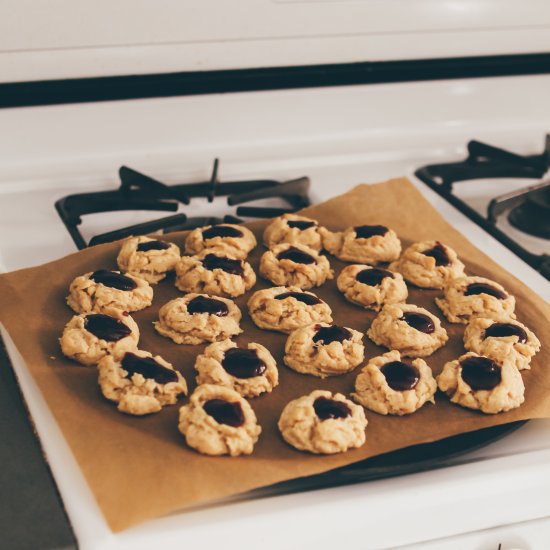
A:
[140,192]
[528,209]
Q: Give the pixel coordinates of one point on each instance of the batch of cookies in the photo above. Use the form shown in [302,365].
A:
[218,419]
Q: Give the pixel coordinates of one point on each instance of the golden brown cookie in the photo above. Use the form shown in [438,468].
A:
[196,318]
[323,423]
[87,338]
[409,329]
[148,258]
[233,241]
[497,338]
[486,384]
[324,350]
[466,297]
[214,274]
[429,264]
[389,385]
[218,421]
[287,308]
[371,287]
[293,229]
[249,371]
[364,244]
[140,383]
[295,265]
[104,291]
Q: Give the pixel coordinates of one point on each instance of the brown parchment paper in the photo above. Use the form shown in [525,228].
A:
[140,468]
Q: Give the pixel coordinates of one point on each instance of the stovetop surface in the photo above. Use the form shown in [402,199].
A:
[339,138]
[525,443]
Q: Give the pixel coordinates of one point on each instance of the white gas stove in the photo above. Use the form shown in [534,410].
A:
[339,137]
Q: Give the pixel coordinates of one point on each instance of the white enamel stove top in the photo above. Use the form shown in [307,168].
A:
[338,137]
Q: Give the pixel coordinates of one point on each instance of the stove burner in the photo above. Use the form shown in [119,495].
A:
[140,192]
[533,215]
[528,208]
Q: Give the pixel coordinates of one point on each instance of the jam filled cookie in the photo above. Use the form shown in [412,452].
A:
[148,258]
[196,318]
[429,264]
[287,308]
[495,338]
[87,338]
[366,244]
[218,421]
[388,385]
[371,287]
[407,328]
[324,350]
[478,382]
[293,229]
[249,371]
[140,383]
[104,291]
[214,274]
[469,296]
[295,265]
[234,241]
[323,423]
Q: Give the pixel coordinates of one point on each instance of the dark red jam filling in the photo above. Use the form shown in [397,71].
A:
[329,408]
[106,327]
[374,276]
[221,231]
[368,231]
[400,376]
[211,262]
[481,373]
[419,321]
[483,288]
[300,224]
[243,363]
[307,299]
[148,368]
[113,280]
[334,333]
[296,255]
[502,330]
[224,412]
[202,304]
[152,245]
[439,253]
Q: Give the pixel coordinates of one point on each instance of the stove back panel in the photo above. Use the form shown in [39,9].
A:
[77,39]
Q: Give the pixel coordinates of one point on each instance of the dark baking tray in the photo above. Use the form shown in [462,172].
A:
[418,458]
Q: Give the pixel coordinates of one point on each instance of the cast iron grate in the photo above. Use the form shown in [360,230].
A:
[140,192]
[527,209]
